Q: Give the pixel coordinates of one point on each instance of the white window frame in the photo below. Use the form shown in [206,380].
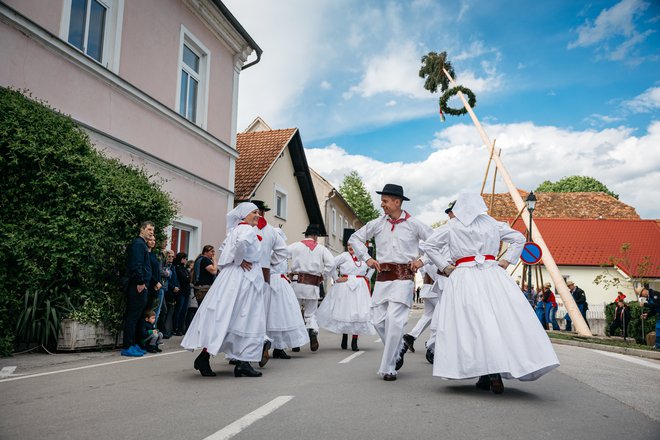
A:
[111,33]
[278,190]
[188,39]
[334,221]
[345,223]
[192,225]
[341,223]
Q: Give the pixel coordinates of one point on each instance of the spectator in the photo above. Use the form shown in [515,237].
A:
[530,294]
[155,286]
[138,267]
[149,335]
[653,304]
[621,319]
[540,310]
[619,297]
[192,301]
[170,289]
[581,301]
[182,296]
[550,306]
[205,270]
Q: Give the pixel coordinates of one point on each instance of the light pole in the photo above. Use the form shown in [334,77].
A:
[531,204]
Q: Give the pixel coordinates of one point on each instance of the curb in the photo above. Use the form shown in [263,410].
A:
[621,350]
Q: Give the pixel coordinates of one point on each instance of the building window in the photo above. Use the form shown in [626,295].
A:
[185,235]
[93,27]
[180,239]
[341,221]
[280,202]
[334,222]
[193,79]
[345,223]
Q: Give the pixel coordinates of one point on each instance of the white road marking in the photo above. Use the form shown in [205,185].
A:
[47,373]
[7,371]
[351,357]
[239,425]
[630,359]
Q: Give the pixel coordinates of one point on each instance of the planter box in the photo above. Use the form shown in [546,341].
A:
[77,336]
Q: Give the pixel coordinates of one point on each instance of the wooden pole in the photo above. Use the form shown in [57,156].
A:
[581,326]
[490,159]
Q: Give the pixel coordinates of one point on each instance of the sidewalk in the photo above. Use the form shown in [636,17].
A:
[603,346]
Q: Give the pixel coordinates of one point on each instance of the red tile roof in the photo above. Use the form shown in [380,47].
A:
[257,152]
[585,205]
[576,242]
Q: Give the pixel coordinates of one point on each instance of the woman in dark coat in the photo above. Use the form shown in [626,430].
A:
[183,295]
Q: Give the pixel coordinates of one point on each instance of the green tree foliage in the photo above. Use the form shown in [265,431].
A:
[353,190]
[432,65]
[68,213]
[635,324]
[575,184]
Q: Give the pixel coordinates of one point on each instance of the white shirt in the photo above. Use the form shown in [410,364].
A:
[273,247]
[318,262]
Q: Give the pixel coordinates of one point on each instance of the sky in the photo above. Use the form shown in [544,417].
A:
[563,87]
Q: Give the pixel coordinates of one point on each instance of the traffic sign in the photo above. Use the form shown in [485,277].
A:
[531,253]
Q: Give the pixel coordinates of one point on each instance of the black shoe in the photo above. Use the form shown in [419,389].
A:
[409,341]
[399,362]
[295,349]
[264,354]
[167,335]
[389,377]
[344,341]
[152,349]
[178,333]
[202,364]
[430,355]
[233,362]
[158,350]
[354,346]
[245,369]
[483,383]
[313,340]
[496,385]
[280,354]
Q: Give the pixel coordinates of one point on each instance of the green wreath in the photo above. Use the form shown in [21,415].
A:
[472,100]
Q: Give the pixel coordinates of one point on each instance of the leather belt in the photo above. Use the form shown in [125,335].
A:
[266,272]
[307,278]
[471,258]
[428,279]
[394,271]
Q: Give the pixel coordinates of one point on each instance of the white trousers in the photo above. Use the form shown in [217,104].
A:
[425,320]
[390,319]
[310,305]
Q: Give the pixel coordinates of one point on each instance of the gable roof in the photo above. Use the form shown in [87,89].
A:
[584,205]
[579,242]
[257,153]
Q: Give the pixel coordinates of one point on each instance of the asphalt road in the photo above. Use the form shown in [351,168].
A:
[330,394]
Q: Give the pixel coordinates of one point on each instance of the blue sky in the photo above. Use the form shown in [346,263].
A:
[566,87]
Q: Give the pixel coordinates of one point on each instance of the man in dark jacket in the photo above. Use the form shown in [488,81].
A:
[653,304]
[138,267]
[621,319]
[581,301]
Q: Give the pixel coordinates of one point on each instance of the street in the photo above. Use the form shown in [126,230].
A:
[330,394]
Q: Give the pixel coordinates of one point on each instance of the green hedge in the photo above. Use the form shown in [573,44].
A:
[635,324]
[67,214]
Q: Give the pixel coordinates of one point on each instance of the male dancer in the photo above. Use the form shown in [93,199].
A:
[397,237]
[310,262]
[433,285]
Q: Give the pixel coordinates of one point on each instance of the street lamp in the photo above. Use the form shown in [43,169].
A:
[531,204]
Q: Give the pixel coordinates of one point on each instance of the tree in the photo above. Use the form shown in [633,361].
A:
[575,184]
[353,190]
[432,65]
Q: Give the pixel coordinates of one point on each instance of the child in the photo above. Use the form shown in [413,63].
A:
[149,334]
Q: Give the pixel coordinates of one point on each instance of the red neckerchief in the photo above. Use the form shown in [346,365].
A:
[259,237]
[311,244]
[262,223]
[399,220]
[355,260]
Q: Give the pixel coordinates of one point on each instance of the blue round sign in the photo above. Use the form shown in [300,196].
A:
[531,253]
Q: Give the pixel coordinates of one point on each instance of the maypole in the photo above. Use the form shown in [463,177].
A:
[560,284]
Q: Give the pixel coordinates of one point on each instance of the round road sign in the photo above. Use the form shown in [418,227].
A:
[531,253]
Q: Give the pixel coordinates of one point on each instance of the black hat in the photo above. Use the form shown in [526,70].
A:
[347,234]
[313,229]
[450,207]
[261,205]
[390,189]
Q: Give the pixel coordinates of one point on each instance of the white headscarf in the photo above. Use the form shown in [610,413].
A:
[468,206]
[236,215]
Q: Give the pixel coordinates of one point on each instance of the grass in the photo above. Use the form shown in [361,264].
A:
[601,340]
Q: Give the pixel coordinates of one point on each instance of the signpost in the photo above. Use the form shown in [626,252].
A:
[531,253]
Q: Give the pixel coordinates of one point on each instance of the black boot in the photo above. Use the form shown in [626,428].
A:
[202,364]
[496,385]
[344,341]
[354,346]
[313,340]
[264,354]
[245,369]
[280,354]
[399,362]
[430,355]
[483,383]
[409,342]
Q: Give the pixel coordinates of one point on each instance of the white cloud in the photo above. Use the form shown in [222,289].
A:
[531,154]
[645,102]
[390,103]
[325,85]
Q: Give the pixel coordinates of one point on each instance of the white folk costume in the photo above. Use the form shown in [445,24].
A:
[285,325]
[484,325]
[310,262]
[347,306]
[431,290]
[397,244]
[231,317]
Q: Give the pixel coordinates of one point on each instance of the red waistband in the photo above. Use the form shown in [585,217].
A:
[471,258]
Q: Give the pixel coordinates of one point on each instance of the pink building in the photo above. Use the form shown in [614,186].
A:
[153,82]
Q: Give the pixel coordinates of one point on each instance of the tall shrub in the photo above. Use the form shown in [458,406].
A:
[635,324]
[68,212]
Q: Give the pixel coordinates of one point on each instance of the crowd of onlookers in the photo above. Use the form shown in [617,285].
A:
[544,303]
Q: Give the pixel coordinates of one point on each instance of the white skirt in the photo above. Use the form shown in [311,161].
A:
[231,319]
[284,322]
[347,308]
[486,326]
